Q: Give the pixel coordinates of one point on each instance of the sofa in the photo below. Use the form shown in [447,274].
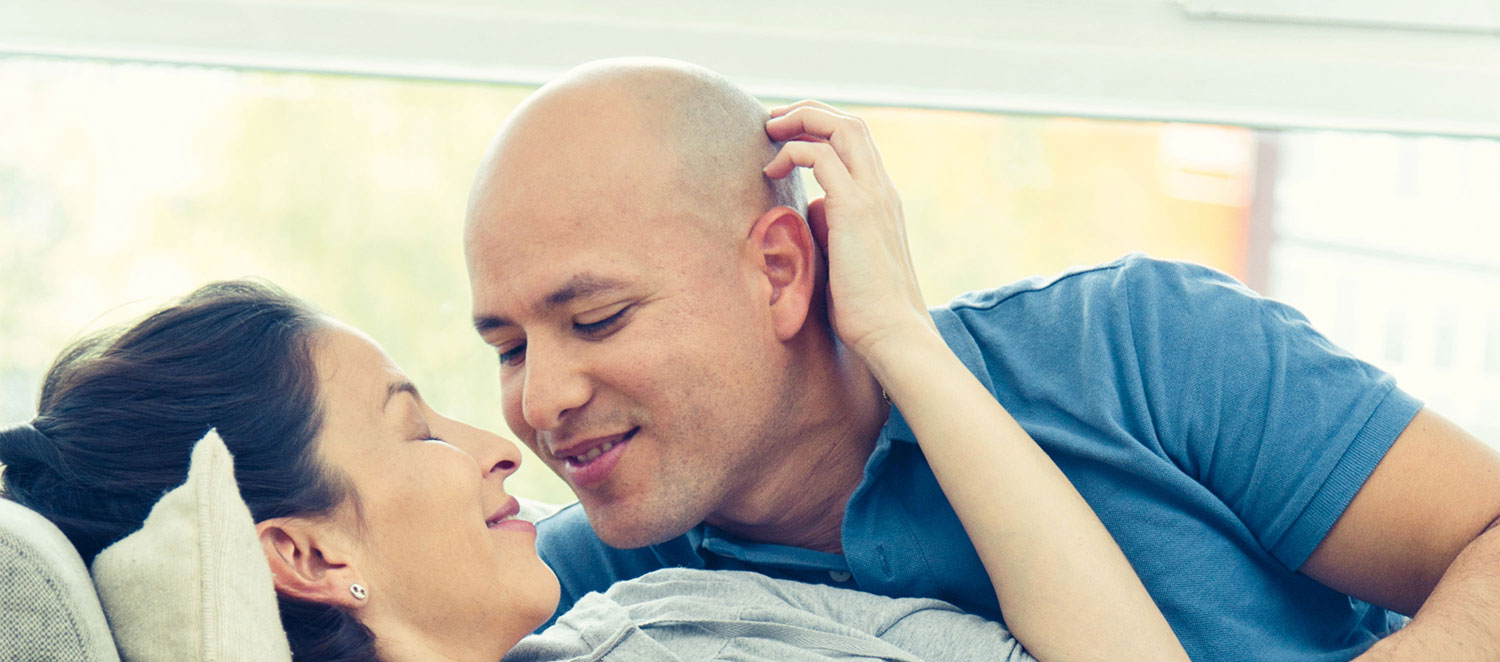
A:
[48,607]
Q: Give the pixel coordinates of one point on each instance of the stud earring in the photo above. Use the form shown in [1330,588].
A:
[358,591]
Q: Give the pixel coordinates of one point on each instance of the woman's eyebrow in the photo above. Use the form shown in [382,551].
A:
[399,387]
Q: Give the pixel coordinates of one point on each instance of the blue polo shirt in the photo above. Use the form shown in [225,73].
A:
[1216,434]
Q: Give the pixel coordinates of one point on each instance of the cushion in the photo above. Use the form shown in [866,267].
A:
[48,610]
[193,582]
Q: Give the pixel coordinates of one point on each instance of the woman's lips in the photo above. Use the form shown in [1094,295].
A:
[505,518]
[514,525]
[507,509]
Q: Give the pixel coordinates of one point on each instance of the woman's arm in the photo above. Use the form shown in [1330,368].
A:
[1066,589]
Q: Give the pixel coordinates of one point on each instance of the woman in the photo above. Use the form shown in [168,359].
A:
[386,525]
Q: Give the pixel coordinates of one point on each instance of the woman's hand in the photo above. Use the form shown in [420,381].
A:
[873,296]
[1065,588]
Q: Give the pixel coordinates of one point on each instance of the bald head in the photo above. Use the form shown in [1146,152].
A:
[640,127]
[641,279]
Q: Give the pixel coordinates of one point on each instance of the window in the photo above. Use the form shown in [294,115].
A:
[135,183]
[1387,243]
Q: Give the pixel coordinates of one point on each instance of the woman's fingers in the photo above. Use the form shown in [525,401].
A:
[822,158]
[872,289]
[817,221]
[848,134]
[782,110]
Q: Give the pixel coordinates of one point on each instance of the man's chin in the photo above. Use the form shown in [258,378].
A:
[628,528]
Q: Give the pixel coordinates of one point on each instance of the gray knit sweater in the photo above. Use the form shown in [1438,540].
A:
[679,614]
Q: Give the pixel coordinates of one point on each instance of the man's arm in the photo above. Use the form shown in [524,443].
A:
[1421,537]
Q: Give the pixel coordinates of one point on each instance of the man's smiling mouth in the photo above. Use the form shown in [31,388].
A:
[593,453]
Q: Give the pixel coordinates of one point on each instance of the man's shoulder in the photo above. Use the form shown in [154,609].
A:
[1133,274]
[1035,329]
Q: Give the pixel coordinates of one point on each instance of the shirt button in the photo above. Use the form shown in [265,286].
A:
[840,576]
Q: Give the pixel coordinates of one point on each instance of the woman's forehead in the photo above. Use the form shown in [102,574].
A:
[353,371]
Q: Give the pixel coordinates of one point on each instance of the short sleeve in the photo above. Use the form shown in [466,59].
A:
[1253,403]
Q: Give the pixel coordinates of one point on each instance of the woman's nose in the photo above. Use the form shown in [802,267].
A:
[494,454]
[500,455]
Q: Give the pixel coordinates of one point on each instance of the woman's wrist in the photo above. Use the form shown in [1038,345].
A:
[893,355]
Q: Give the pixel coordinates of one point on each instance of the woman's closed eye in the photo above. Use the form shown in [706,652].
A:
[425,433]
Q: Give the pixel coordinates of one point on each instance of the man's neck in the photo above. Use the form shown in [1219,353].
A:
[822,447]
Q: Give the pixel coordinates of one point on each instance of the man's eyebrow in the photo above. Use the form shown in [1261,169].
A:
[581,285]
[486,323]
[394,388]
[578,286]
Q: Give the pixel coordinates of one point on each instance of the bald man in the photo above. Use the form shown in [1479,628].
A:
[661,349]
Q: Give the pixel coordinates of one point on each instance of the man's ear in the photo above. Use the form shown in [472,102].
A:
[307,563]
[782,250]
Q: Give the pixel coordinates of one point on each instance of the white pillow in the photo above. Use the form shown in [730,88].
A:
[193,583]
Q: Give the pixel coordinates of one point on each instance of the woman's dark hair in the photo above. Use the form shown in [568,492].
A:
[121,410]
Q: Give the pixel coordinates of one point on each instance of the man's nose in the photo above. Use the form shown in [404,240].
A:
[556,384]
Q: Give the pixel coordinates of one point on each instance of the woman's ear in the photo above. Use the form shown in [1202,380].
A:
[782,249]
[308,562]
